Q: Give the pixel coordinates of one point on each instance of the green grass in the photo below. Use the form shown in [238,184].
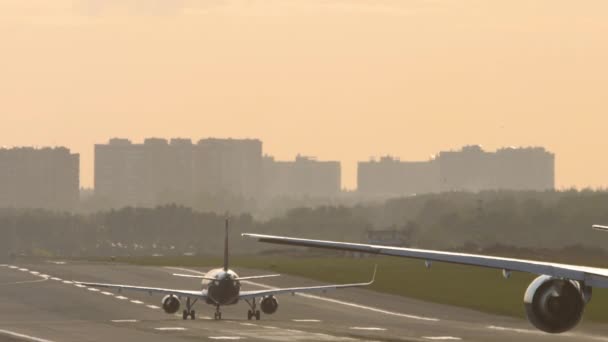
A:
[465,286]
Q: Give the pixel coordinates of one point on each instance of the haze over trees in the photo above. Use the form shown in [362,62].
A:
[531,220]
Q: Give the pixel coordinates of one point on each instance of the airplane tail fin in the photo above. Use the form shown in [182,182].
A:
[226,254]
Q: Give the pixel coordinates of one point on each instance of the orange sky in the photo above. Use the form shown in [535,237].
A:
[337,79]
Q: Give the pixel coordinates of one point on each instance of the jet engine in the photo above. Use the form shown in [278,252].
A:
[269,305]
[170,304]
[555,305]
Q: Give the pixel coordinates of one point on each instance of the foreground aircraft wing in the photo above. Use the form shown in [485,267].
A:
[600,227]
[595,277]
[149,290]
[323,288]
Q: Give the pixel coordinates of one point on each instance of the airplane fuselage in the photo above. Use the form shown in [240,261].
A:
[224,289]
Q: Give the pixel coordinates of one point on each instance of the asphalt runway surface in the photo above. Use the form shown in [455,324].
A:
[39,302]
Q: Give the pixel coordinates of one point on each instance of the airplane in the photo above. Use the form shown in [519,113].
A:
[220,287]
[554,302]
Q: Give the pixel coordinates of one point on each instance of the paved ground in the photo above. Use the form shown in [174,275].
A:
[39,303]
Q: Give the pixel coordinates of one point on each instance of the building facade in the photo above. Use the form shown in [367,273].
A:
[304,176]
[469,169]
[392,177]
[160,170]
[46,178]
[473,169]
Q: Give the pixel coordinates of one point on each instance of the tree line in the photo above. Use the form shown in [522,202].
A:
[551,220]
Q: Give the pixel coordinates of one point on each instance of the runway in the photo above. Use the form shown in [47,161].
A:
[40,302]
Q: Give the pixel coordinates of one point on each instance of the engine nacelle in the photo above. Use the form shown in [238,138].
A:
[555,305]
[269,305]
[170,304]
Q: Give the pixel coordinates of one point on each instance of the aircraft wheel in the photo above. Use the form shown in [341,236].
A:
[193,315]
[185,314]
[257,315]
[249,315]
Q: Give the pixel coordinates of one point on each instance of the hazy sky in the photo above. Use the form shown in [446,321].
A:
[337,79]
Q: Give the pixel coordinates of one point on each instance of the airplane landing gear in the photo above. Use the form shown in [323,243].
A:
[189,312]
[218,314]
[253,312]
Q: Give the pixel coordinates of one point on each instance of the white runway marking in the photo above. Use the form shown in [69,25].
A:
[171,329]
[248,324]
[35,273]
[330,300]
[225,338]
[79,285]
[92,289]
[306,320]
[26,282]
[268,327]
[13,267]
[23,269]
[524,331]
[68,282]
[56,279]
[442,338]
[22,336]
[56,262]
[368,328]
[121,297]
[137,302]
[125,321]
[107,293]
[153,306]
[44,275]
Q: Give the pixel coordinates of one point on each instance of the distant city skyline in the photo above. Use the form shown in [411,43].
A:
[373,158]
[405,79]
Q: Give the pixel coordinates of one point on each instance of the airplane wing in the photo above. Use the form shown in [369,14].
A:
[600,227]
[149,290]
[592,276]
[323,288]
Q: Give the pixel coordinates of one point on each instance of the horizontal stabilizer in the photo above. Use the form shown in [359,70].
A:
[260,276]
[192,276]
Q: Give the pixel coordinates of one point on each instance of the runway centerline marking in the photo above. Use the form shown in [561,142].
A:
[92,289]
[68,282]
[34,272]
[13,267]
[306,320]
[23,269]
[23,336]
[137,302]
[330,300]
[171,329]
[121,297]
[56,279]
[80,286]
[107,293]
[125,321]
[225,338]
[153,306]
[442,338]
[368,328]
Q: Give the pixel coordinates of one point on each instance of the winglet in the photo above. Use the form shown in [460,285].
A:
[600,227]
